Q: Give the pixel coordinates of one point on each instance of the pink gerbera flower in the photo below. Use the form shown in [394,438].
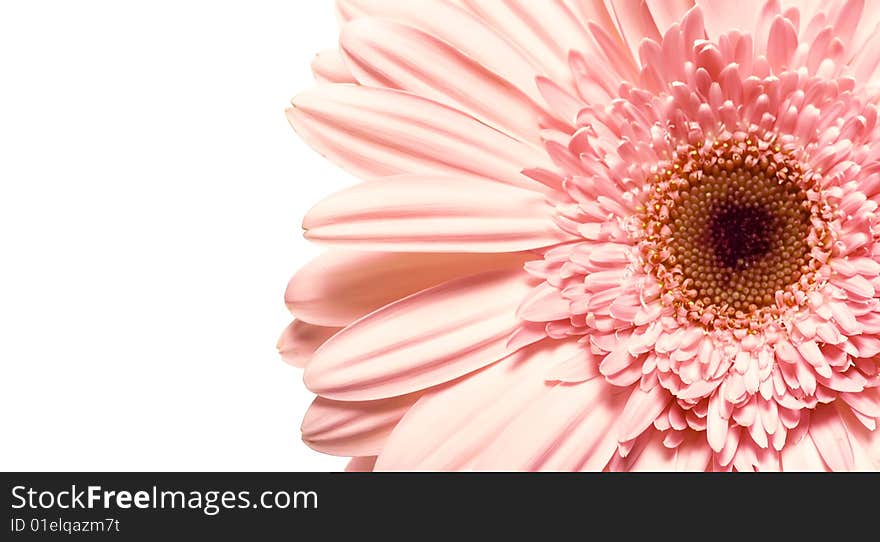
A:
[595,235]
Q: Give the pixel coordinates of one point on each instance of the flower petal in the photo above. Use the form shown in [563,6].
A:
[802,456]
[375,132]
[448,428]
[721,16]
[544,31]
[329,67]
[831,437]
[642,408]
[668,12]
[653,456]
[694,454]
[865,442]
[441,214]
[597,12]
[386,53]
[454,25]
[717,427]
[423,340]
[634,23]
[544,304]
[300,340]
[340,286]
[353,428]
[867,402]
[866,63]
[582,366]
[361,464]
[571,427]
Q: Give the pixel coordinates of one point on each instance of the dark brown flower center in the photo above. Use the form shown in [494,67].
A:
[729,229]
[739,235]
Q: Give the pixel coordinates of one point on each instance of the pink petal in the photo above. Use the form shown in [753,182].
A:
[848,18]
[572,427]
[544,304]
[452,24]
[868,20]
[625,307]
[866,63]
[340,286]
[806,378]
[442,214]
[857,285]
[810,352]
[450,426]
[642,408]
[329,67]
[361,464]
[673,439]
[653,456]
[582,366]
[545,31]
[597,12]
[694,454]
[865,442]
[376,132]
[731,445]
[357,428]
[564,104]
[615,57]
[845,319]
[634,23]
[617,360]
[867,402]
[527,334]
[716,426]
[782,43]
[668,12]
[831,438]
[300,340]
[723,16]
[802,456]
[426,339]
[849,381]
[385,53]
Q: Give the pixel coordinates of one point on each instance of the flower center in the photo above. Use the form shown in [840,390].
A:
[728,232]
[740,233]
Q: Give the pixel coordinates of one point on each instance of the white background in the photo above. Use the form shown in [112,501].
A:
[152,193]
